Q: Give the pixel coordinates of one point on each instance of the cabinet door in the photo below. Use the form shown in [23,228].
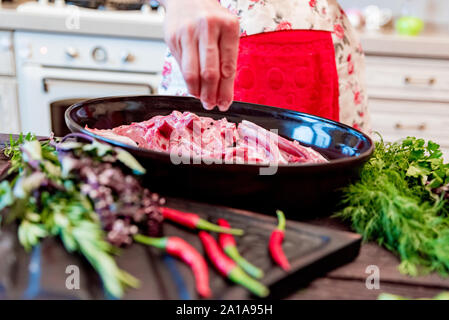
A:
[6,54]
[397,119]
[408,79]
[9,115]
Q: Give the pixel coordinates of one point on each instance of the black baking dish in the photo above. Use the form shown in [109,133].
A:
[308,189]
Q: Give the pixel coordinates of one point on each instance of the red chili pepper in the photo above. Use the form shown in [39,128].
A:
[228,268]
[181,249]
[193,221]
[275,244]
[229,246]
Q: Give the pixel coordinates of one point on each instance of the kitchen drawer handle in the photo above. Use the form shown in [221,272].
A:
[418,81]
[419,127]
[45,83]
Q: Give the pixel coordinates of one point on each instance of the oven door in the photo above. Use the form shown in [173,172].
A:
[41,88]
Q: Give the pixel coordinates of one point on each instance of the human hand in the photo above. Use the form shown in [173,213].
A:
[203,37]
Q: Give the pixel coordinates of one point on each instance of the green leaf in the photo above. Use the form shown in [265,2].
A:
[69,241]
[417,171]
[101,149]
[389,296]
[127,159]
[33,150]
[94,248]
[25,184]
[53,170]
[6,196]
[69,145]
[61,220]
[431,146]
[67,165]
[30,234]
[33,217]
[442,296]
[435,183]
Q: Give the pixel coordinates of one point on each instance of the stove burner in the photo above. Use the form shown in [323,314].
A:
[110,4]
[125,4]
[90,4]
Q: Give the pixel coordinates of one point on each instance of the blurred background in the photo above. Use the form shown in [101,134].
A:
[432,11]
[54,53]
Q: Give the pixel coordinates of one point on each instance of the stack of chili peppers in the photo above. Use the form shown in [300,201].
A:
[223,254]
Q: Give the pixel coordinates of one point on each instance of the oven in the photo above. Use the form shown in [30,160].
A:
[56,70]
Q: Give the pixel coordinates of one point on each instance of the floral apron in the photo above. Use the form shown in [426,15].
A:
[304,55]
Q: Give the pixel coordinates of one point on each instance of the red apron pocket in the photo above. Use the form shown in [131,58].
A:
[292,69]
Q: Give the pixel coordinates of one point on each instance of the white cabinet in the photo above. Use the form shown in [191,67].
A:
[6,54]
[9,114]
[408,78]
[397,119]
[9,111]
[409,97]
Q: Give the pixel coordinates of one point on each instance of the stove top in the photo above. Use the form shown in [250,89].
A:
[134,10]
[125,4]
[100,5]
[90,4]
[113,4]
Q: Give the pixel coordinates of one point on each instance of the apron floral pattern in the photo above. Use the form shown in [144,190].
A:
[258,16]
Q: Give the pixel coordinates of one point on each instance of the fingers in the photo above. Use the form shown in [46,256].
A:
[209,62]
[204,41]
[190,63]
[228,45]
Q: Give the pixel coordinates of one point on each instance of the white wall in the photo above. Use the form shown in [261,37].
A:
[436,11]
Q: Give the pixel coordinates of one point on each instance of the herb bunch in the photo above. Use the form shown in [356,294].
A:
[122,204]
[52,191]
[395,203]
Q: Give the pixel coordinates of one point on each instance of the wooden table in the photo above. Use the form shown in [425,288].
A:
[349,281]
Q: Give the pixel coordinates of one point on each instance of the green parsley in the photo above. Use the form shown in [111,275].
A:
[394,204]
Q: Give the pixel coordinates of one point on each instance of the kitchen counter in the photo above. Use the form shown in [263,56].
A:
[432,43]
[349,281]
[70,19]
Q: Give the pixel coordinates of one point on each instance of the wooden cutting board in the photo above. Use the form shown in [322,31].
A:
[311,250]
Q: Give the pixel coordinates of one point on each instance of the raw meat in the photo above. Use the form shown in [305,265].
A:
[218,141]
